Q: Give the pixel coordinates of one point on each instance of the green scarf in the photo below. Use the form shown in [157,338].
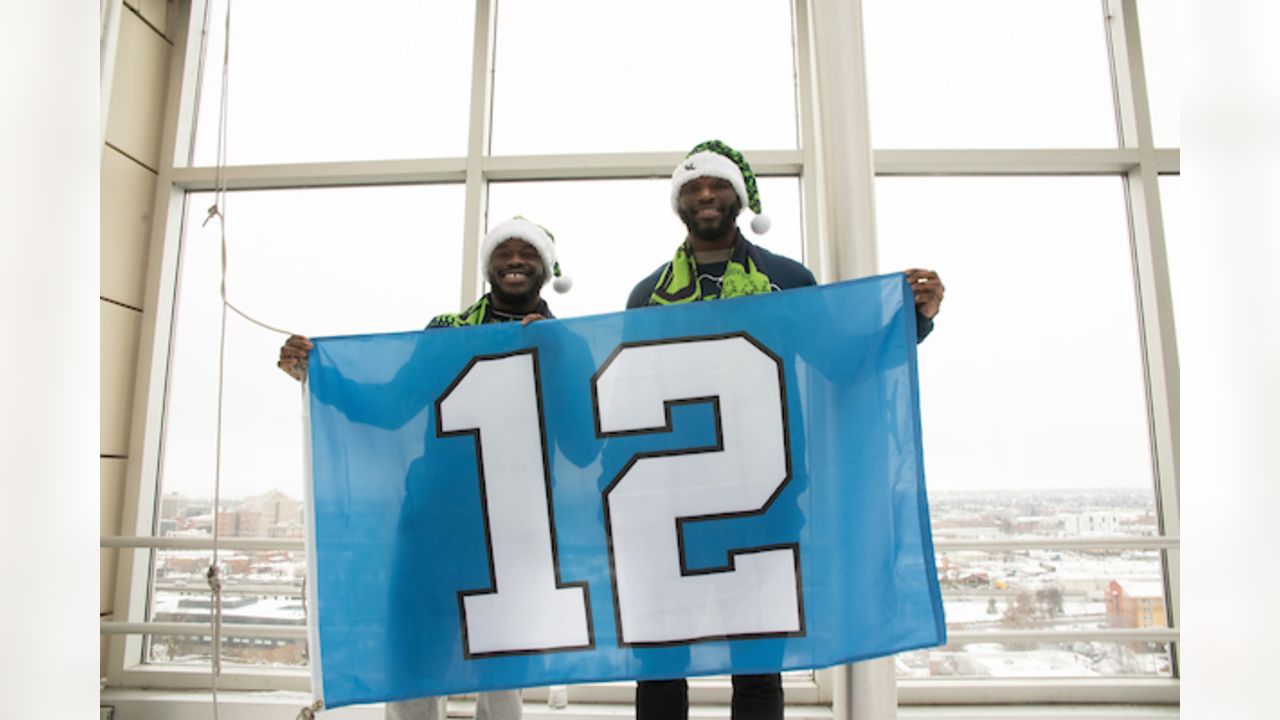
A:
[474,315]
[482,313]
[742,276]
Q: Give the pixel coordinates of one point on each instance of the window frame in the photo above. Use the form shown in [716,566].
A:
[837,168]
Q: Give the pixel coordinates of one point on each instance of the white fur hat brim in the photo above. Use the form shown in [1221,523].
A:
[707,164]
[526,231]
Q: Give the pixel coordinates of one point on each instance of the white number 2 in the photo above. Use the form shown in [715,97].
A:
[498,401]
[658,599]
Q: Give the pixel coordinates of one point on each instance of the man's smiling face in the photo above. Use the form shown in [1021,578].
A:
[709,207]
[516,273]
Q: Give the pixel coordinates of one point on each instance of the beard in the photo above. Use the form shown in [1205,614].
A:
[529,297]
[728,222]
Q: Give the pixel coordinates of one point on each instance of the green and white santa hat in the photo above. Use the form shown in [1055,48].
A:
[716,159]
[539,237]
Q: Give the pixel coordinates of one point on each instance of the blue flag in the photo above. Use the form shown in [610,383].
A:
[718,487]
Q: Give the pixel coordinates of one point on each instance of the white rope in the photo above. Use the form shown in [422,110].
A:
[219,207]
[219,210]
[220,213]
[214,577]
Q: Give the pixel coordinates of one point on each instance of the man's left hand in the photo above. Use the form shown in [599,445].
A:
[928,289]
[531,317]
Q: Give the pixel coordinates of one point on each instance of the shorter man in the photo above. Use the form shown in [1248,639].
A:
[709,188]
[516,255]
[519,258]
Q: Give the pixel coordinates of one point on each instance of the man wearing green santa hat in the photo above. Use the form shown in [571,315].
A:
[709,189]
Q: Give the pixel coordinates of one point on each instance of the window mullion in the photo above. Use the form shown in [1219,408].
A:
[1151,274]
[1133,109]
[848,174]
[992,162]
[865,690]
[1159,346]
[482,54]
[324,175]
[611,166]
[817,254]
[1038,691]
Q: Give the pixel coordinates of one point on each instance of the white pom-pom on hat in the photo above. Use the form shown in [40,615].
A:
[562,284]
[760,224]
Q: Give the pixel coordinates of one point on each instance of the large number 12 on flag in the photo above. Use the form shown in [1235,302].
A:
[710,488]
[658,599]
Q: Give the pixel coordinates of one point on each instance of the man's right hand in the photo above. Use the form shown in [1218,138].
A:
[293,356]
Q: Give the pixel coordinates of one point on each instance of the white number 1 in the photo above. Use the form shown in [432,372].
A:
[498,401]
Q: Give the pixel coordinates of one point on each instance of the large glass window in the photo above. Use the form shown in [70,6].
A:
[988,73]
[314,262]
[326,80]
[1034,415]
[574,76]
[1033,378]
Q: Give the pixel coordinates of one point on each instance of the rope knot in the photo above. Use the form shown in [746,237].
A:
[215,580]
[213,212]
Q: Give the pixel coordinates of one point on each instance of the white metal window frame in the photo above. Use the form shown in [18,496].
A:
[837,169]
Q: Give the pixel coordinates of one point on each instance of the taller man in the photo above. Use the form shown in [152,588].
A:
[709,188]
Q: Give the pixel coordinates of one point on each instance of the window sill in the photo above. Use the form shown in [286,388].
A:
[237,705]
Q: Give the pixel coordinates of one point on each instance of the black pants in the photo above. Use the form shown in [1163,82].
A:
[755,697]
